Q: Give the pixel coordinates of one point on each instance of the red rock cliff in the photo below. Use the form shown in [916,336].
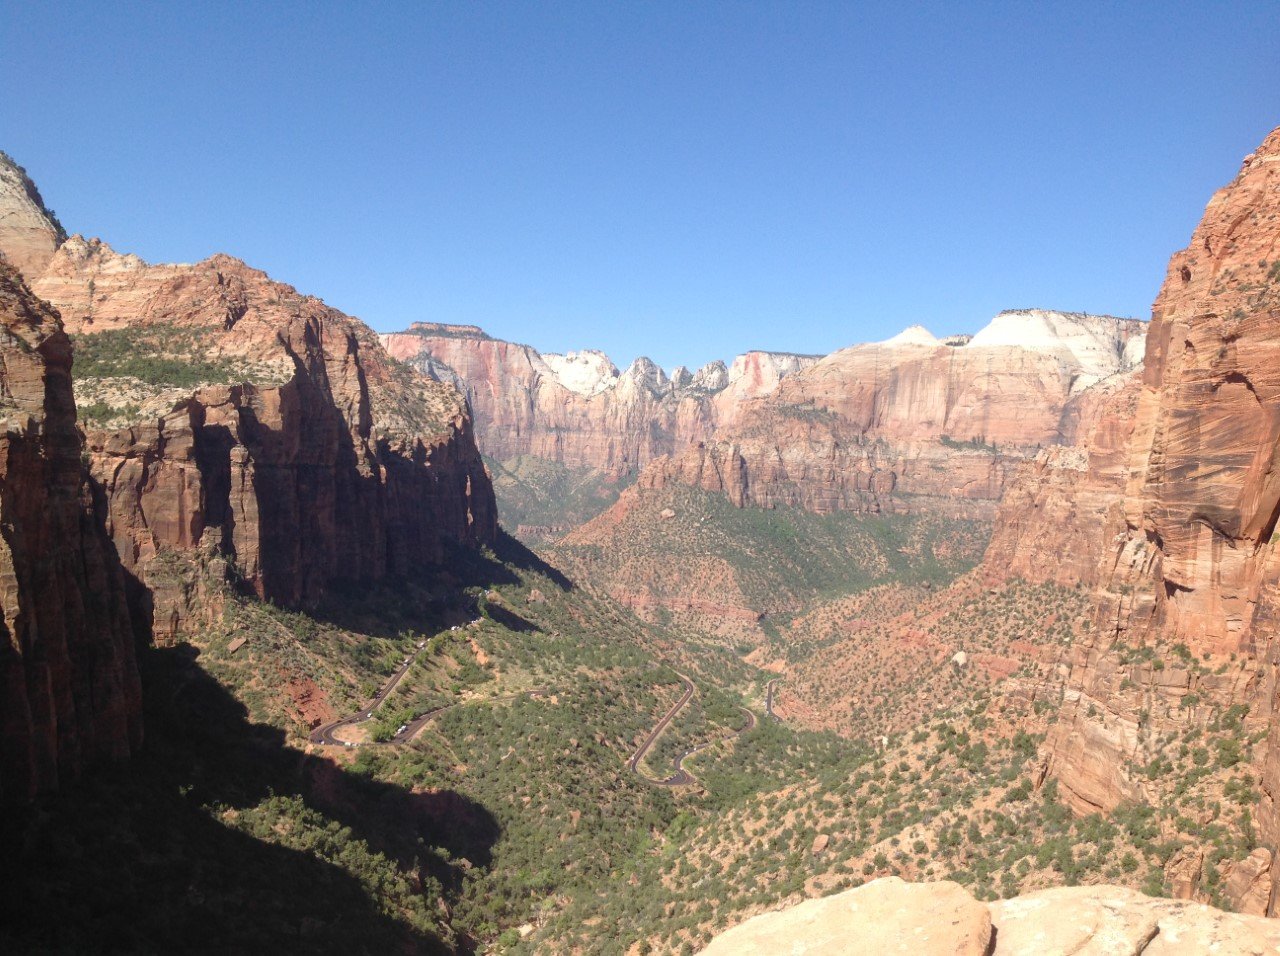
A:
[71,694]
[309,457]
[578,409]
[912,423]
[1186,559]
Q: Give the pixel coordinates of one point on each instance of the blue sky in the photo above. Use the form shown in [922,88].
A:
[682,180]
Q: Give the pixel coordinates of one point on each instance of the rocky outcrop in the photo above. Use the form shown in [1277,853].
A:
[71,694]
[301,456]
[912,423]
[578,409]
[1187,556]
[1049,523]
[29,232]
[890,916]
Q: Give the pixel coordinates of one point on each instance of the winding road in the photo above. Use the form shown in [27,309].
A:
[325,733]
[682,777]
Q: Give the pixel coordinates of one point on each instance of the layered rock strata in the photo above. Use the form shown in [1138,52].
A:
[913,423]
[71,695]
[578,409]
[1167,504]
[240,429]
[29,232]
[305,458]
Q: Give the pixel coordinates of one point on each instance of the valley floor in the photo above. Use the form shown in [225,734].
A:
[509,760]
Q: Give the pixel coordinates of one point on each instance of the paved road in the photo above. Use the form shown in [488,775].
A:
[681,777]
[325,734]
[658,728]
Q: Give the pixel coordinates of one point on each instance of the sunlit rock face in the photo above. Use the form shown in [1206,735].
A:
[29,234]
[914,422]
[944,919]
[1175,470]
[308,457]
[578,409]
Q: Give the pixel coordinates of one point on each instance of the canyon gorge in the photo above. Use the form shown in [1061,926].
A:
[992,613]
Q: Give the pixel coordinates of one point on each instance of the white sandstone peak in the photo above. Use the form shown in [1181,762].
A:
[645,371]
[588,372]
[713,376]
[914,335]
[1096,345]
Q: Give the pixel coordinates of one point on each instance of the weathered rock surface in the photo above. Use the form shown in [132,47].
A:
[912,423]
[885,916]
[890,916]
[315,459]
[70,695]
[29,233]
[1186,551]
[1113,920]
[1049,525]
[578,409]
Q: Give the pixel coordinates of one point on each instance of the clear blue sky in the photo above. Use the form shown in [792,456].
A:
[683,180]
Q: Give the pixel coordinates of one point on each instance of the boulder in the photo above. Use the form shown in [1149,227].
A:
[884,916]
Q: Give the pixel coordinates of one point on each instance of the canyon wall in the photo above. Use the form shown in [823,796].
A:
[305,458]
[914,423]
[1049,524]
[71,695]
[241,431]
[29,232]
[578,409]
[1167,506]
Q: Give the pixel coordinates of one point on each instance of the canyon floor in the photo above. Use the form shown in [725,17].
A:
[515,819]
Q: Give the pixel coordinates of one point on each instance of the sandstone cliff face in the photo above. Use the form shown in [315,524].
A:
[1049,525]
[306,457]
[71,694]
[29,234]
[911,423]
[888,915]
[1177,472]
[578,409]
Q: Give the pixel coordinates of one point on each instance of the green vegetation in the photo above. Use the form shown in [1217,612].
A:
[160,355]
[99,412]
[970,444]
[774,562]
[511,822]
[535,493]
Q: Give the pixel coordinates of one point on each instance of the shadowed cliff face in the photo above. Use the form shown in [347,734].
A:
[162,856]
[71,692]
[300,455]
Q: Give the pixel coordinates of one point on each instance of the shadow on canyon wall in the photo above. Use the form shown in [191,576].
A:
[143,857]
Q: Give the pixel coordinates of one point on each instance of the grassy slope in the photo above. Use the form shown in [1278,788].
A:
[713,567]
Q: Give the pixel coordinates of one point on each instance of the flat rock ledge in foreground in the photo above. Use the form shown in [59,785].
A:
[890,916]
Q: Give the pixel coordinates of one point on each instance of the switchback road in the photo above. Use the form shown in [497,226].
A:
[680,777]
[325,734]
